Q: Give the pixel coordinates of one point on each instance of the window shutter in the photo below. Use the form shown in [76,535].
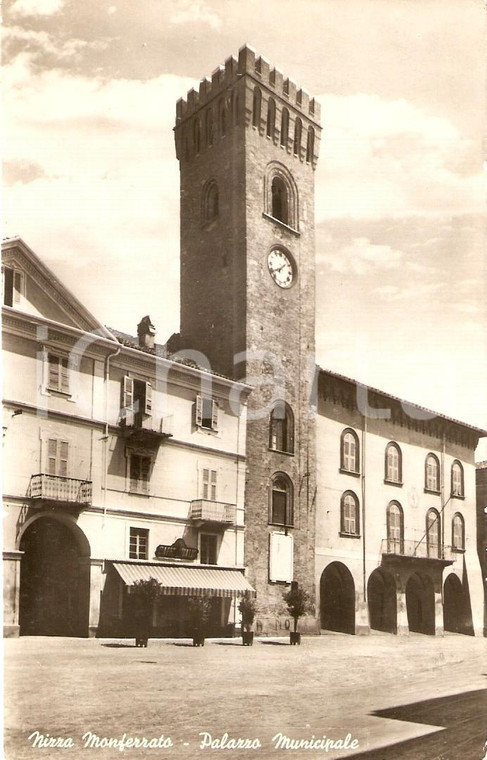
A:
[51,456]
[134,472]
[18,281]
[198,411]
[128,392]
[145,463]
[213,485]
[214,415]
[64,371]
[63,458]
[206,483]
[53,371]
[148,398]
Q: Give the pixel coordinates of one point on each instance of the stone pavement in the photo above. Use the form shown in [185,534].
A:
[393,696]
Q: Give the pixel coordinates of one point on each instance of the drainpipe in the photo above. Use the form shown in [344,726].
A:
[364,568]
[105,443]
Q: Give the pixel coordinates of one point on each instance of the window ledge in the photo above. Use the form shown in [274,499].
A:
[396,483]
[138,493]
[429,490]
[349,535]
[457,496]
[281,451]
[457,551]
[349,472]
[281,224]
[57,392]
[281,525]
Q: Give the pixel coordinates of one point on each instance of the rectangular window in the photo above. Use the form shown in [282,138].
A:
[136,399]
[206,413]
[208,548]
[57,457]
[57,373]
[140,466]
[209,484]
[13,285]
[139,543]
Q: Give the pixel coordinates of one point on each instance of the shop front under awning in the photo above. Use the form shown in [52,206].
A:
[187,581]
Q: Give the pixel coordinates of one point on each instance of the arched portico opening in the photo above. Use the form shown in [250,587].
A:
[54,579]
[456,611]
[420,604]
[381,594]
[337,595]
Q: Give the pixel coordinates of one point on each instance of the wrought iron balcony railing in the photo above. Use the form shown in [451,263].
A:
[58,489]
[213,511]
[422,549]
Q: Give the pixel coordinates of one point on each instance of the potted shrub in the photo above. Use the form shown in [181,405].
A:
[297,602]
[146,593]
[247,607]
[199,612]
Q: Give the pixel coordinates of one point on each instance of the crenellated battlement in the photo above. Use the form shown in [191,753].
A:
[259,69]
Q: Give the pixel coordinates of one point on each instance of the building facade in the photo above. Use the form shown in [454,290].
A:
[481,483]
[120,465]
[225,462]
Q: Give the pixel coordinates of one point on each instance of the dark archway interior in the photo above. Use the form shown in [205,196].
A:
[54,585]
[381,595]
[420,604]
[456,609]
[337,599]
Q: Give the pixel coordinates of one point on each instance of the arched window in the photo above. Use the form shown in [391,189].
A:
[432,473]
[281,428]
[395,528]
[284,126]
[223,118]
[310,144]
[433,533]
[281,500]
[196,135]
[349,451]
[298,128]
[210,202]
[271,117]
[350,517]
[256,107]
[393,464]
[209,127]
[458,533]
[457,479]
[279,200]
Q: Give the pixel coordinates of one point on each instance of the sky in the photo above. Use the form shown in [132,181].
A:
[91,180]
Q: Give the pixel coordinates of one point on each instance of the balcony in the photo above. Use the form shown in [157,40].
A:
[205,511]
[413,549]
[141,429]
[58,490]
[177,550]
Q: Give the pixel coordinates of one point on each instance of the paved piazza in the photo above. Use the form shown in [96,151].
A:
[378,697]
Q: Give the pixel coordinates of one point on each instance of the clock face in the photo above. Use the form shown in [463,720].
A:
[281,268]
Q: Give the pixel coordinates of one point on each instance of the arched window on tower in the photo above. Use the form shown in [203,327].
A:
[196,135]
[284,127]
[310,145]
[209,127]
[256,107]
[349,451]
[298,128]
[281,428]
[279,200]
[235,107]
[210,202]
[271,118]
[349,515]
[457,479]
[281,507]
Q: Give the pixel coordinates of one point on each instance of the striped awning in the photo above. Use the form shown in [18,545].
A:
[188,581]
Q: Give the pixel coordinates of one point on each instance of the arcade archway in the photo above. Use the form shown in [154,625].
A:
[54,579]
[456,610]
[420,604]
[337,595]
[381,595]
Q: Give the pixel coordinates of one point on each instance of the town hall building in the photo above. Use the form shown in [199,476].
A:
[244,472]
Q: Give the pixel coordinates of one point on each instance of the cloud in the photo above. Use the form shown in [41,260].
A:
[36,7]
[38,44]
[361,256]
[392,158]
[196,12]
